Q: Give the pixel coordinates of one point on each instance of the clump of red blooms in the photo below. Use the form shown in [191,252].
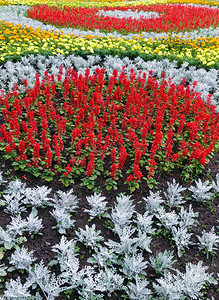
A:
[172,17]
[126,123]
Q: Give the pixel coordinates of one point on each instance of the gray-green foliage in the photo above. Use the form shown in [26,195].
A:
[194,279]
[17,225]
[201,191]
[3,269]
[37,196]
[89,236]
[145,222]
[21,258]
[181,238]
[187,218]
[16,190]
[162,261]
[168,219]
[33,223]
[208,240]
[50,284]
[122,213]
[98,205]
[134,233]
[186,285]
[134,264]
[138,290]
[13,202]
[173,195]
[126,243]
[63,219]
[2,181]
[7,239]
[103,256]
[16,290]
[143,241]
[216,183]
[153,202]
[65,200]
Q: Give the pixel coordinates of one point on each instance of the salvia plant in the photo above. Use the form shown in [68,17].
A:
[63,155]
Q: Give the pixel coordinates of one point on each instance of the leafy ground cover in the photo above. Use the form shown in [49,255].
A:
[109,175]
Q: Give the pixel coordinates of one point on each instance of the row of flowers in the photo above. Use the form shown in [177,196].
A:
[110,3]
[88,126]
[12,73]
[171,18]
[18,40]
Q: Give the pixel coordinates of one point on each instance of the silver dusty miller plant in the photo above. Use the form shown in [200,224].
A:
[63,219]
[89,236]
[163,261]
[33,223]
[22,258]
[98,205]
[208,241]
[138,290]
[38,196]
[173,195]
[153,202]
[123,211]
[65,200]
[201,192]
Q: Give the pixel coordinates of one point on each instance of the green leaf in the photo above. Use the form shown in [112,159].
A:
[48,178]
[52,263]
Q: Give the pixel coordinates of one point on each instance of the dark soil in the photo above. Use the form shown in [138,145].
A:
[42,244]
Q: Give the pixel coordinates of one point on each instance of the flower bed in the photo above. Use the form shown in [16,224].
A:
[106,115]
[171,18]
[71,128]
